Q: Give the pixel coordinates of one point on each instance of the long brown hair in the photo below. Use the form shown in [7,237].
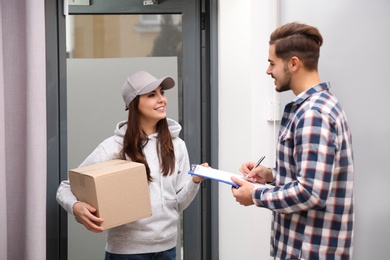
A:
[296,39]
[135,139]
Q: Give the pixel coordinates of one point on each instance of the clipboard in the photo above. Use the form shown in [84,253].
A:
[218,175]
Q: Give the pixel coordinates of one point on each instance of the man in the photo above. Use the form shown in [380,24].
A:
[312,196]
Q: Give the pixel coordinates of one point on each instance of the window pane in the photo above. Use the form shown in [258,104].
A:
[101,50]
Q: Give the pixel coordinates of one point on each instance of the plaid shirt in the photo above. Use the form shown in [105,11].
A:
[312,201]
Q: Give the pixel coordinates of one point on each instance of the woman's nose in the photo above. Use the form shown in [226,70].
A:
[160,97]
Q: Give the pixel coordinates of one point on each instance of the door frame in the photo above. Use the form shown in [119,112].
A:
[199,118]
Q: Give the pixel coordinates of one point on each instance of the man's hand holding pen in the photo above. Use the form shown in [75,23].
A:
[249,175]
[254,172]
[260,174]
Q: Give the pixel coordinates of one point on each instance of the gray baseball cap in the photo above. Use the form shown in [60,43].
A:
[141,83]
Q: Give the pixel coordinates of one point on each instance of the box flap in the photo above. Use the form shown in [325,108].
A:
[100,166]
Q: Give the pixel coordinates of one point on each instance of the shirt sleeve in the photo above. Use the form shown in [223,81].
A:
[305,180]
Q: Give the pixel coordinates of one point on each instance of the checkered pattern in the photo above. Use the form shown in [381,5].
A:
[312,201]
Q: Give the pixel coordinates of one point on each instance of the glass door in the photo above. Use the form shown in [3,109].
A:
[105,43]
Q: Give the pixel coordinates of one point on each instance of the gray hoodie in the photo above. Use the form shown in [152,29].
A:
[168,195]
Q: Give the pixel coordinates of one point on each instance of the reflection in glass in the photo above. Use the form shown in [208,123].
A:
[118,36]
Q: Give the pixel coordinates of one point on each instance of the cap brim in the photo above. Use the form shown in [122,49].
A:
[165,83]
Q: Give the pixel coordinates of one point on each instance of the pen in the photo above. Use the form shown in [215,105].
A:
[259,161]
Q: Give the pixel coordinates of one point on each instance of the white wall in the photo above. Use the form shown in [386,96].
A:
[244,27]
[355,59]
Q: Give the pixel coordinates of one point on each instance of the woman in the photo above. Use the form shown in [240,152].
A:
[150,138]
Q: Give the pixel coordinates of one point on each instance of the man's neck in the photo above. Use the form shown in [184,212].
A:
[304,80]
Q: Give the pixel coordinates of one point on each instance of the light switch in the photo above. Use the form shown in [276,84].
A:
[273,111]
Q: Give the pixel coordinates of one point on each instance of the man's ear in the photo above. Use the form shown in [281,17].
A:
[294,63]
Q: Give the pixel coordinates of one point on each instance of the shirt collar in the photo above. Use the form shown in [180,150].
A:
[306,94]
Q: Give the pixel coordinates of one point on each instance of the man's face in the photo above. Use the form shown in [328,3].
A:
[278,70]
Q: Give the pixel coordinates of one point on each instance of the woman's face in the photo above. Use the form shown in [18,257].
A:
[152,106]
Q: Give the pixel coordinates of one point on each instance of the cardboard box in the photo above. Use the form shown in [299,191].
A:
[118,189]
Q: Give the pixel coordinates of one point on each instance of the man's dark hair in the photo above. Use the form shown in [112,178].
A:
[300,40]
